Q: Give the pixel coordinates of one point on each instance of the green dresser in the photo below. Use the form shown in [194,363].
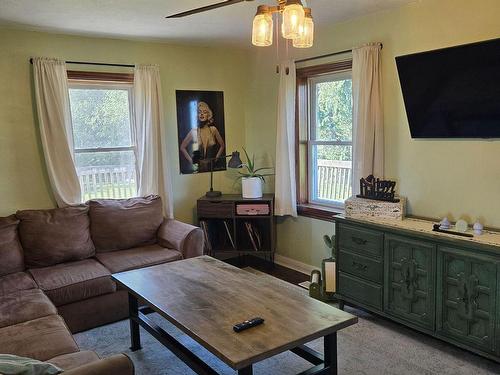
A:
[444,286]
[466,302]
[410,280]
[360,265]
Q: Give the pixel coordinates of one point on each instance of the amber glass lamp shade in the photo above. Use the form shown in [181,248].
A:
[262,31]
[293,18]
[306,32]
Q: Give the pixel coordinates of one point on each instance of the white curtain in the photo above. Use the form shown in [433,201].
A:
[54,117]
[285,183]
[368,148]
[152,165]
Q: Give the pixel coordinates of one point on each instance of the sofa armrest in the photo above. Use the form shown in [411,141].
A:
[186,238]
[117,364]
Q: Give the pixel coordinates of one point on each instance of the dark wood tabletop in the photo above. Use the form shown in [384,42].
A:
[205,297]
[237,197]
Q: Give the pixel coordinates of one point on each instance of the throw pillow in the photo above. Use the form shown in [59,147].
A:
[15,365]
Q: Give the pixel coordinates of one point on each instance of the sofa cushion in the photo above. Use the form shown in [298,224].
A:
[75,281]
[119,224]
[41,338]
[73,360]
[11,252]
[16,282]
[23,306]
[138,257]
[94,312]
[54,236]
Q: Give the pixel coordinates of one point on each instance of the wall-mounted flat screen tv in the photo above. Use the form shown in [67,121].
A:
[453,92]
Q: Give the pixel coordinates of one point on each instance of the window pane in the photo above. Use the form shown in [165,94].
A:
[334,110]
[106,174]
[101,117]
[332,173]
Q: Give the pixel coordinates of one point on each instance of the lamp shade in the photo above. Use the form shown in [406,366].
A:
[235,161]
[306,32]
[293,19]
[262,31]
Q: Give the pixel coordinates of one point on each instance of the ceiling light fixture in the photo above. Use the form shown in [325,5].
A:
[297,24]
[262,32]
[306,32]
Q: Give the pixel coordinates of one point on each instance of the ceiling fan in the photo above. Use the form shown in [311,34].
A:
[297,22]
[206,8]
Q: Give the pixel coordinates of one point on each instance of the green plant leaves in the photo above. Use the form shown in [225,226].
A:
[251,171]
[250,163]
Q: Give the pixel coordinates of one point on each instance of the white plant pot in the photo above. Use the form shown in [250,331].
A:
[251,187]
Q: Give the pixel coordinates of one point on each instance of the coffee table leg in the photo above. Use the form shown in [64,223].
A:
[330,342]
[135,334]
[246,371]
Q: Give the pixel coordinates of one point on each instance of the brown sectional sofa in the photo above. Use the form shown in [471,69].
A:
[55,274]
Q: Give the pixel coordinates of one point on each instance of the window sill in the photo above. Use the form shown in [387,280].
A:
[318,212]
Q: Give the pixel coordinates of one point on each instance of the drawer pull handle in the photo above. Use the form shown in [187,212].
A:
[359,266]
[410,279]
[468,292]
[359,241]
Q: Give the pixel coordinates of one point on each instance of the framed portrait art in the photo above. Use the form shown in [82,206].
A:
[200,129]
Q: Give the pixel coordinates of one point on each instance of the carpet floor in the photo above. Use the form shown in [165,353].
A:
[373,346]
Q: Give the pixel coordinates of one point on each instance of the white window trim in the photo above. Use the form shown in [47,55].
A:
[311,139]
[79,84]
[106,85]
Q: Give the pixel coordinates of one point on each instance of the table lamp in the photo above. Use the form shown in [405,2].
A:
[234,162]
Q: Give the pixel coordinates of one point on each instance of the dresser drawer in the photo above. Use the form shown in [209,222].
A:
[363,292]
[363,241]
[217,209]
[366,268]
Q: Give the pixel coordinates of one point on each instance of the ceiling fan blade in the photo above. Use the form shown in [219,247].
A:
[206,8]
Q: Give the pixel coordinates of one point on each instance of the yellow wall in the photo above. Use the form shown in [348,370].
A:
[23,180]
[439,178]
[301,239]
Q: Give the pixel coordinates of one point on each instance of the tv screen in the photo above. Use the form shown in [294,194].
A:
[453,92]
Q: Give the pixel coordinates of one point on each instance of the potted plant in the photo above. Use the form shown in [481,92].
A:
[252,178]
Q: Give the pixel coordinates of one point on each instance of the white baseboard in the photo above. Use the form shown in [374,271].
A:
[293,264]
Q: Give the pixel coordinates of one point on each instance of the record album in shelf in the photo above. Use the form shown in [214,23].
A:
[232,224]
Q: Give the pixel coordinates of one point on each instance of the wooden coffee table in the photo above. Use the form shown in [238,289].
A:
[205,297]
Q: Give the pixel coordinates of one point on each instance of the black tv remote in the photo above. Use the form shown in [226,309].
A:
[247,324]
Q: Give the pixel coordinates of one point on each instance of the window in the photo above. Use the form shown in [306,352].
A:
[104,149]
[324,129]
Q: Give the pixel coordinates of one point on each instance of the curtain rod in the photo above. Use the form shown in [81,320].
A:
[328,55]
[95,63]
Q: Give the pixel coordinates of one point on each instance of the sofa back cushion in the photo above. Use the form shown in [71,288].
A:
[11,253]
[119,224]
[54,236]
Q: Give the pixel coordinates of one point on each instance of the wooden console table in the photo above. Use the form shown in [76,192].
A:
[227,231]
[443,285]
